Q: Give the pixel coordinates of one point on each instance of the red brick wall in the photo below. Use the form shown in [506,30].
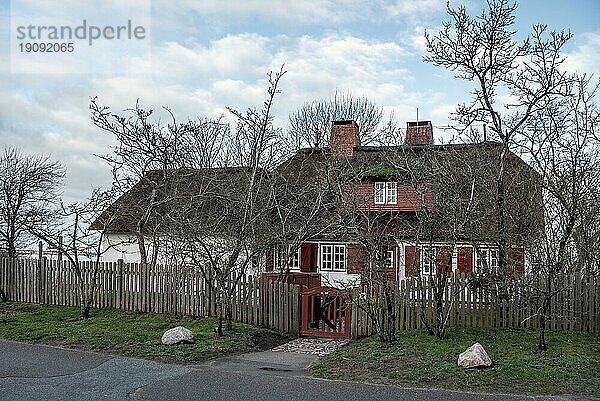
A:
[356,258]
[517,257]
[344,137]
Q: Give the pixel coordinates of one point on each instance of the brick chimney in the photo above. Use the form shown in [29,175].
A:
[344,137]
[419,133]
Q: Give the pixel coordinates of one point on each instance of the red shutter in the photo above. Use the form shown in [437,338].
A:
[465,260]
[314,251]
[444,259]
[356,259]
[269,259]
[305,258]
[412,261]
[517,256]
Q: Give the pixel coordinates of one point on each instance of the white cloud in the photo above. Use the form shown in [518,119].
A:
[407,8]
[585,58]
[282,11]
[222,58]
[200,80]
[418,41]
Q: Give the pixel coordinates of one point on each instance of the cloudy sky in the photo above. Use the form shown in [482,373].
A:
[200,56]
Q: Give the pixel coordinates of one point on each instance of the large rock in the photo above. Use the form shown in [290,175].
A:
[474,357]
[177,335]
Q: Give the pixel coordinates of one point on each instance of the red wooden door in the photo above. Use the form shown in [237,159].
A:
[325,313]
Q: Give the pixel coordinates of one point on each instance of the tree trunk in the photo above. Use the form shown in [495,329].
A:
[542,333]
[84,305]
[501,206]
[423,308]
[228,314]
[220,318]
[391,315]
[143,269]
[441,323]
[12,249]
[84,311]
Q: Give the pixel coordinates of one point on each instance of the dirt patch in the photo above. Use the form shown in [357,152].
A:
[266,340]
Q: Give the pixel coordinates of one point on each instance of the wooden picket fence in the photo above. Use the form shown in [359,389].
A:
[164,289]
[183,291]
[576,307]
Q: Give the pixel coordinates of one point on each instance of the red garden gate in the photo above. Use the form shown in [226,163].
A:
[325,313]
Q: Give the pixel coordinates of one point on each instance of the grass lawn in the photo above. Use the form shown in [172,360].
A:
[570,366]
[128,333]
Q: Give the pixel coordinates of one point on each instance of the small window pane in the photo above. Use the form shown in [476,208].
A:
[326,257]
[339,257]
[482,261]
[380,192]
[286,257]
[494,260]
[428,261]
[389,260]
[391,193]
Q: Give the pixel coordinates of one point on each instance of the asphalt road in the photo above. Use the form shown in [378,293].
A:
[36,372]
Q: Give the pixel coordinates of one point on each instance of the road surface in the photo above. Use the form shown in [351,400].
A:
[37,372]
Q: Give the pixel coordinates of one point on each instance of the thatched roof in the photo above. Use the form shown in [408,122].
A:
[171,193]
[309,173]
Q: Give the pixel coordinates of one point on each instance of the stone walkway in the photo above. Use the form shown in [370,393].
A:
[312,346]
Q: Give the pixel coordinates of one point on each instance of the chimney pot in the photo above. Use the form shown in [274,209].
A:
[344,138]
[419,133]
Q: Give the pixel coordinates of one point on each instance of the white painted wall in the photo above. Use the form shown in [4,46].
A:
[120,246]
[125,246]
[339,279]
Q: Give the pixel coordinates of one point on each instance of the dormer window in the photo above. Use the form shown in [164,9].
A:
[386,193]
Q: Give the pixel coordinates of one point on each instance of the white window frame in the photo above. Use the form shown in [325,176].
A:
[482,260]
[391,193]
[390,259]
[379,193]
[429,261]
[280,255]
[333,257]
[494,260]
[326,256]
[385,193]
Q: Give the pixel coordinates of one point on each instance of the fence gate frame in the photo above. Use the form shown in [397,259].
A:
[326,312]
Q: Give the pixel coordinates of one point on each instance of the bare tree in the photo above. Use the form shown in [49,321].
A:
[304,191]
[147,152]
[30,186]
[69,231]
[310,125]
[560,141]
[227,226]
[483,50]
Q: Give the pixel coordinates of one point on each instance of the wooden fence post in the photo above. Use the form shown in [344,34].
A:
[119,303]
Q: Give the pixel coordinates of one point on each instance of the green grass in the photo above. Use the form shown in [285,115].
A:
[570,366]
[128,333]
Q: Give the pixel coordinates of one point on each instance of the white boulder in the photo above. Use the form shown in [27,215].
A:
[178,335]
[474,357]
